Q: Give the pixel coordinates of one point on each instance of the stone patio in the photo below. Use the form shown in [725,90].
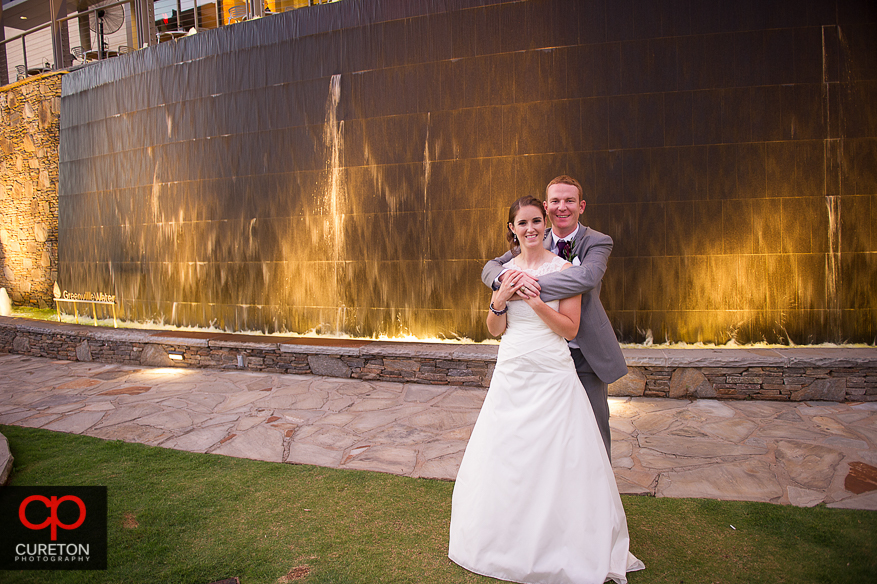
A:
[788,453]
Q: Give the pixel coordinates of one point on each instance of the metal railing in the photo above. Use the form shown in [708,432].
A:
[43,40]
[147,22]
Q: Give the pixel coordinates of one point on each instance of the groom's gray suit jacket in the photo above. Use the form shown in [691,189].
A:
[595,338]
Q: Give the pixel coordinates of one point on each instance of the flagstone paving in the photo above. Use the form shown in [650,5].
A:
[801,454]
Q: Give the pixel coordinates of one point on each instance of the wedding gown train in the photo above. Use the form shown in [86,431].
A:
[535,500]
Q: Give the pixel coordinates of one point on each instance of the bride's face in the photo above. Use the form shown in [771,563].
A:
[529,226]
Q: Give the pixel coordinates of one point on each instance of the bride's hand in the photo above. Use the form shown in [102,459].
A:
[511,286]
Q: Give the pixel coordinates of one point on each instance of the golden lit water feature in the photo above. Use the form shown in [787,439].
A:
[359,188]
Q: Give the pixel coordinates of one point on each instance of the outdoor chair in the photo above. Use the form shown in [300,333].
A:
[20,72]
[237,14]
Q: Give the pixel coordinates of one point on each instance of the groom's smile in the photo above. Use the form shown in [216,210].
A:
[564,208]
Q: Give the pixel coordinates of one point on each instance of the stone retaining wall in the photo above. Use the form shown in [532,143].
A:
[29,136]
[764,374]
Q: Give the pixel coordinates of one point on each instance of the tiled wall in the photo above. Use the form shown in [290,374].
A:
[729,149]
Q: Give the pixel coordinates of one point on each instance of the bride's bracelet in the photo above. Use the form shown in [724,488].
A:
[499,312]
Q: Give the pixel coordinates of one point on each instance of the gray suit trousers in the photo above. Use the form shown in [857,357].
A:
[598,395]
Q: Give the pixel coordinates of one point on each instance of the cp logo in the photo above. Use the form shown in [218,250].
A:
[53,521]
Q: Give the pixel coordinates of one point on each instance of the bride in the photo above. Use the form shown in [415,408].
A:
[535,500]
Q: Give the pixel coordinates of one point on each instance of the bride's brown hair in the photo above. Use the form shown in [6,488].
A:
[526,201]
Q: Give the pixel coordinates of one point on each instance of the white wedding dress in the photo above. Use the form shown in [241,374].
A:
[535,499]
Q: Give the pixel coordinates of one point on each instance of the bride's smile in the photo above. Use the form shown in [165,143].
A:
[529,227]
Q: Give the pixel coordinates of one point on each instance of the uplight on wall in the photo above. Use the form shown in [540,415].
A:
[175,355]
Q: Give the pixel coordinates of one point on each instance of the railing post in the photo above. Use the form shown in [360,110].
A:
[60,38]
[24,53]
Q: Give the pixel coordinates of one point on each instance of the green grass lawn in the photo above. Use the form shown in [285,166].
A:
[178,517]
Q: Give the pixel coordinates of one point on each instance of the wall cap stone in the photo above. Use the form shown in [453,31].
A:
[835,357]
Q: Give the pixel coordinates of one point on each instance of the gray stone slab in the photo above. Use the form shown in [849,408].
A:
[438,420]
[627,487]
[829,357]
[130,432]
[464,398]
[750,480]
[199,440]
[804,497]
[445,468]
[385,458]
[259,443]
[809,465]
[680,446]
[368,421]
[644,357]
[730,430]
[723,358]
[258,345]
[319,350]
[240,400]
[476,352]
[329,437]
[6,460]
[171,420]
[75,423]
[126,414]
[864,502]
[423,350]
[14,417]
[372,405]
[300,453]
[401,434]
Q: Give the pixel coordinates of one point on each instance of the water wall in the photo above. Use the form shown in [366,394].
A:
[348,167]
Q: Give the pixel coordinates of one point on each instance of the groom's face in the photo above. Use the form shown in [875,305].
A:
[563,207]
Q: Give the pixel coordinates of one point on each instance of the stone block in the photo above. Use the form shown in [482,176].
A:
[155,356]
[28,143]
[21,344]
[328,366]
[402,364]
[690,381]
[631,385]
[6,460]
[822,389]
[83,352]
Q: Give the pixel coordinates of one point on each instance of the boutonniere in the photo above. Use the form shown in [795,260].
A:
[570,254]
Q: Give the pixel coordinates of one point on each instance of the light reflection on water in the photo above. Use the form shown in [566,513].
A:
[154,325]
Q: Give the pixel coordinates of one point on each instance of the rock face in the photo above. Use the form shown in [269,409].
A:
[6,460]
[631,385]
[21,344]
[690,382]
[822,389]
[328,366]
[155,356]
[29,138]
[83,352]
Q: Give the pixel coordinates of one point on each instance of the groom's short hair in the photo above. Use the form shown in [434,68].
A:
[565,179]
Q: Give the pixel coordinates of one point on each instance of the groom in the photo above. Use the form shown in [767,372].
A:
[595,350]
